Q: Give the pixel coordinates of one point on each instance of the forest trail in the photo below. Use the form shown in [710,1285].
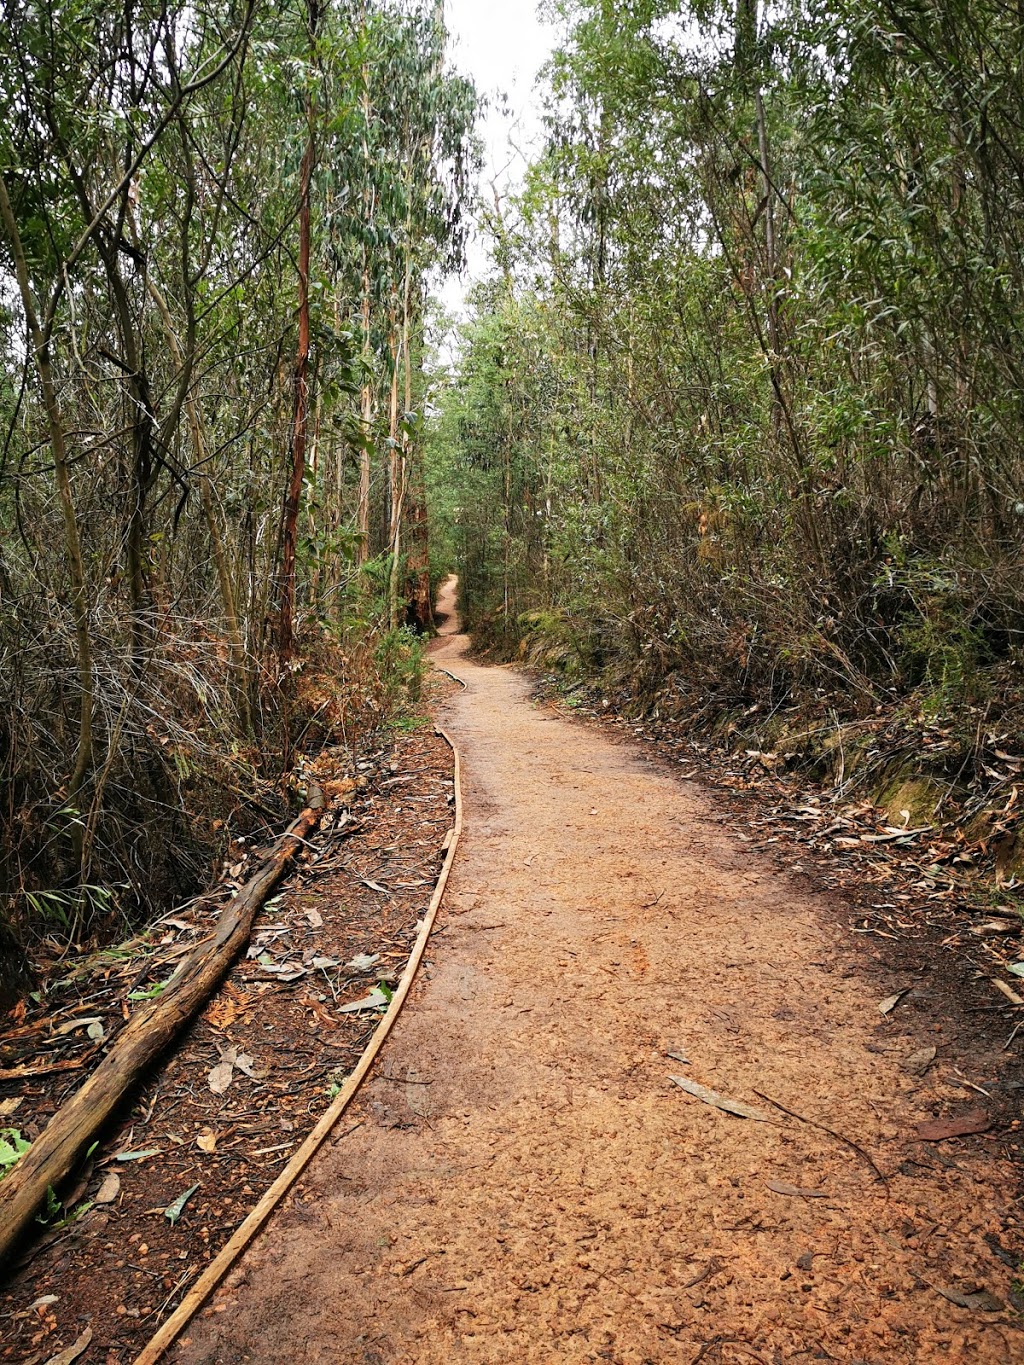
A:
[521,1181]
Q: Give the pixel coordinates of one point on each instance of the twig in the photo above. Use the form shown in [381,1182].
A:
[706,1348]
[712,1268]
[813,1123]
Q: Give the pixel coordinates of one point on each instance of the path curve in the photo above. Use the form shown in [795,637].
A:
[527,1184]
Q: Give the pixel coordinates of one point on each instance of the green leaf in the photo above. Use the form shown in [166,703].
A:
[12,1147]
[174,1211]
[150,992]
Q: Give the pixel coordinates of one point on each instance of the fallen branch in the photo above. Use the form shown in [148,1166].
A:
[148,1032]
[813,1123]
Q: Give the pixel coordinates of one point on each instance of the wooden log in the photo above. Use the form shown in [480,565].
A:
[55,1152]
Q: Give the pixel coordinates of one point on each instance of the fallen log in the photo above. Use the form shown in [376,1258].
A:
[147,1033]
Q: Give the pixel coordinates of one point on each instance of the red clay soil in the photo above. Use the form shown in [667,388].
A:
[522,1180]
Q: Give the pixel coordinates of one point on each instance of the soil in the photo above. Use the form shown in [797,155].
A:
[925,901]
[344,922]
[523,1179]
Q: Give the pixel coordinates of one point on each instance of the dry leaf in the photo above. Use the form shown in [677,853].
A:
[886,1006]
[74,1024]
[109,1189]
[174,1211]
[935,1130]
[73,1351]
[363,962]
[206,1141]
[221,1077]
[919,1062]
[374,1001]
[780,1187]
[9,1106]
[222,1012]
[701,1092]
[375,886]
[980,1300]
[315,918]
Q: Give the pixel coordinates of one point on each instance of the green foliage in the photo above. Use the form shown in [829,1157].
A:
[740,416]
[12,1147]
[399,655]
[149,992]
[153,162]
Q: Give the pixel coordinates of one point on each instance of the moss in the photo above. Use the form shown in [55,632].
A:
[913,793]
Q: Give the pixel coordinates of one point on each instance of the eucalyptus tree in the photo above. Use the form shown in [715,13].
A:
[184,231]
[781,245]
[95,94]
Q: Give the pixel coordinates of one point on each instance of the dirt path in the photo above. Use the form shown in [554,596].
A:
[522,1182]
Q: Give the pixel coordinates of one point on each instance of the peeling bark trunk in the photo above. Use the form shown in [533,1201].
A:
[290,521]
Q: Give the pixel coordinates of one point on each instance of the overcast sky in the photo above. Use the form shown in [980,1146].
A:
[502,44]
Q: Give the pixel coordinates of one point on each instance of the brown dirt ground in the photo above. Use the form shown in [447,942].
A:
[360,888]
[521,1180]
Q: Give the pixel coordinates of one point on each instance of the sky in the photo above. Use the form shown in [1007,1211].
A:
[502,45]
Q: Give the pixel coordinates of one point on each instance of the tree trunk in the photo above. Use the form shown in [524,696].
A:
[79,591]
[289,531]
[236,641]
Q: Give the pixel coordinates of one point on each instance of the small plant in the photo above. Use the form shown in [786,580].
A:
[53,1207]
[149,992]
[70,908]
[335,1084]
[407,725]
[12,1147]
[55,1217]
[399,657]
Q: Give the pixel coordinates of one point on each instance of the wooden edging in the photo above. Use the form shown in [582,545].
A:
[214,1273]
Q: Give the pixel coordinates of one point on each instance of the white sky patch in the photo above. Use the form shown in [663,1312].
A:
[501,44]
